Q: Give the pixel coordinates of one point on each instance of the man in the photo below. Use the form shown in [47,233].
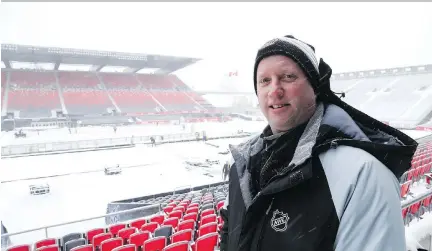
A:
[322,175]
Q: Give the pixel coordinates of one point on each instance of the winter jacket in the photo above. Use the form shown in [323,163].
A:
[339,191]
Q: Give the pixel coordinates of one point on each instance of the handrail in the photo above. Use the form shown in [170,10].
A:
[410,202]
[82,220]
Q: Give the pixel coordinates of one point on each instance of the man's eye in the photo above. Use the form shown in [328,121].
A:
[265,80]
[289,77]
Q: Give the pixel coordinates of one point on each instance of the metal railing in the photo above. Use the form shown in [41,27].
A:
[46,228]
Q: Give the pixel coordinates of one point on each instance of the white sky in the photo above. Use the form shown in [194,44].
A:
[349,36]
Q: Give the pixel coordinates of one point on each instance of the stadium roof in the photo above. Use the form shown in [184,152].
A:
[15,56]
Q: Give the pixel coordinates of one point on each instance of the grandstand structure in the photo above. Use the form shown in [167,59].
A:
[401,97]
[56,84]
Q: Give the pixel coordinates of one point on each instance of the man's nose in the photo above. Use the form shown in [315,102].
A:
[276,90]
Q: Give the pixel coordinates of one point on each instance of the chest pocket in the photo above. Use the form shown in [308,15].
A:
[302,218]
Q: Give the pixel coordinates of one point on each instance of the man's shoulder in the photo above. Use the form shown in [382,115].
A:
[349,160]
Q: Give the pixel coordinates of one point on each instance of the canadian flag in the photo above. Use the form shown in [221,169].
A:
[233,73]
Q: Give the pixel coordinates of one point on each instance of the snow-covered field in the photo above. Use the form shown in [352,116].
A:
[77,196]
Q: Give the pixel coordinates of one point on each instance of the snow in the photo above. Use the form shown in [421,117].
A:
[77,195]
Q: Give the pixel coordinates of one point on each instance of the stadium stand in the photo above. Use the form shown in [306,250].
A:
[83,93]
[32,93]
[400,99]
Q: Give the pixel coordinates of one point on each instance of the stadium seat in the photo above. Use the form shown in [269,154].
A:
[49,248]
[190,216]
[69,245]
[19,248]
[186,224]
[88,247]
[178,246]
[110,244]
[175,214]
[155,244]
[158,218]
[151,227]
[139,238]
[92,233]
[182,235]
[114,229]
[45,242]
[173,222]
[207,242]
[128,247]
[206,212]
[69,237]
[207,228]
[98,239]
[208,219]
[125,233]
[166,231]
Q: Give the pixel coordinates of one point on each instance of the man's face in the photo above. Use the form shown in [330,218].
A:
[285,95]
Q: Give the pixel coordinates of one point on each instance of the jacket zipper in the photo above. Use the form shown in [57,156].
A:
[260,237]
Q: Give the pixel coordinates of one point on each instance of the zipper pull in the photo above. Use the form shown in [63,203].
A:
[268,209]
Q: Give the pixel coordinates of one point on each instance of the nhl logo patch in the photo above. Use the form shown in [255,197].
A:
[279,221]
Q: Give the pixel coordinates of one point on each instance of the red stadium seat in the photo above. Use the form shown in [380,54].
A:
[155,244]
[128,247]
[114,229]
[171,222]
[110,244]
[207,228]
[92,233]
[183,235]
[19,248]
[46,242]
[208,219]
[178,246]
[192,210]
[186,224]
[151,227]
[405,189]
[88,247]
[175,214]
[139,238]
[158,218]
[138,223]
[49,248]
[207,242]
[190,216]
[206,212]
[98,239]
[126,232]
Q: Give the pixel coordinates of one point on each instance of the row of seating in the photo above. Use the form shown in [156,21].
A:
[189,221]
[84,93]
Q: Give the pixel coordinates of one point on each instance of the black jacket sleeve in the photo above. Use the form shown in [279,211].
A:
[224,230]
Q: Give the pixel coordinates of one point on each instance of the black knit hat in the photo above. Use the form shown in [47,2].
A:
[302,53]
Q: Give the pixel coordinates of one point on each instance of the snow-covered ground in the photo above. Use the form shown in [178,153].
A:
[77,196]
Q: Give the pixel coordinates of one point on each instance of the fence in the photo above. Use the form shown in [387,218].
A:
[87,145]
[149,209]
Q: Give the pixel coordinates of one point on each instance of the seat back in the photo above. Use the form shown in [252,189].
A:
[69,237]
[98,239]
[87,247]
[139,238]
[186,224]
[179,246]
[19,248]
[155,244]
[126,232]
[183,235]
[69,245]
[110,244]
[92,233]
[45,242]
[207,242]
[138,223]
[114,229]
[151,227]
[128,247]
[207,228]
[49,248]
